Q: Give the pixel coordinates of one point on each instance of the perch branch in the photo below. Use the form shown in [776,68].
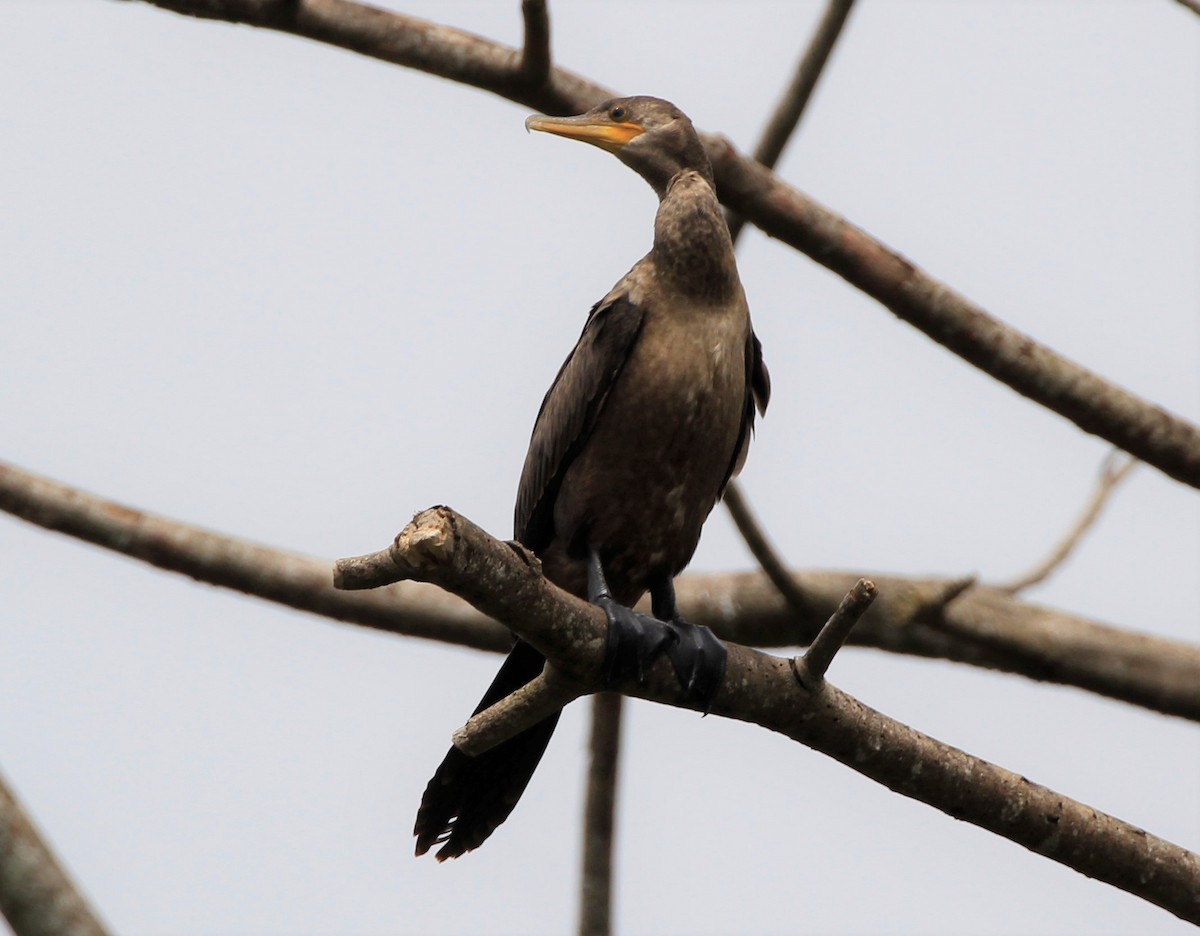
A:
[1157,437]
[444,548]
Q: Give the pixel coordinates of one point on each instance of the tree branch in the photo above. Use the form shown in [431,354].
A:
[760,547]
[535,57]
[541,697]
[1095,405]
[446,549]
[811,668]
[1157,437]
[984,627]
[37,897]
[981,628]
[604,748]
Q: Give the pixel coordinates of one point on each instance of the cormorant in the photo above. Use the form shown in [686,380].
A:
[645,423]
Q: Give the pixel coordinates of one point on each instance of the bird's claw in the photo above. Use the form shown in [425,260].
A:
[634,642]
[698,659]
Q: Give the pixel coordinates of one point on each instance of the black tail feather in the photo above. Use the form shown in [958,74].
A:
[468,797]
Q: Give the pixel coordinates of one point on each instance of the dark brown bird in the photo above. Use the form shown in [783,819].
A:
[646,422]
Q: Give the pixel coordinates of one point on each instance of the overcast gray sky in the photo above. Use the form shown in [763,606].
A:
[280,290]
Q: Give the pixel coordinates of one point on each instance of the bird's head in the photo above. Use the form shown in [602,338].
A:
[651,136]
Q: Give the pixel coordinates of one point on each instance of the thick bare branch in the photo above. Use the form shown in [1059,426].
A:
[37,897]
[446,549]
[1112,473]
[1157,437]
[980,628]
[604,748]
[1193,5]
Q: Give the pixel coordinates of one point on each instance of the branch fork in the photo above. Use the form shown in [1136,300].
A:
[788,697]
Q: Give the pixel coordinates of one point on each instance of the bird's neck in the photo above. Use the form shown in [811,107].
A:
[692,249]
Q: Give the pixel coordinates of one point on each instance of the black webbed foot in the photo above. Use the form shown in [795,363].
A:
[634,640]
[634,643]
[697,656]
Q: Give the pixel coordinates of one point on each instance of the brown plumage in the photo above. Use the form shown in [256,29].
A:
[645,423]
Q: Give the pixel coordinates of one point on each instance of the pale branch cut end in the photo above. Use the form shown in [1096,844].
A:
[443,548]
[426,543]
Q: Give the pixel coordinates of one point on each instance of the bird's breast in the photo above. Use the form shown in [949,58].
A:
[653,468]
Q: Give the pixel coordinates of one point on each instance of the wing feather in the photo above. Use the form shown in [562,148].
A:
[758,394]
[569,412]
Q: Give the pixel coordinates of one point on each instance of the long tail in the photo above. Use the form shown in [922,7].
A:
[469,797]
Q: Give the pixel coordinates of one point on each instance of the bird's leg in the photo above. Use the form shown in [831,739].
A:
[697,655]
[634,640]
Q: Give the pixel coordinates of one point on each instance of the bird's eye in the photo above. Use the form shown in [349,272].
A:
[617,113]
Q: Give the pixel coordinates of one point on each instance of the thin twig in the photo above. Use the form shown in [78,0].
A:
[543,696]
[1113,471]
[1141,669]
[36,895]
[535,55]
[810,669]
[596,879]
[795,99]
[761,548]
[446,549]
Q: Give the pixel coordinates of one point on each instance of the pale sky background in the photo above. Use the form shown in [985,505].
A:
[294,294]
